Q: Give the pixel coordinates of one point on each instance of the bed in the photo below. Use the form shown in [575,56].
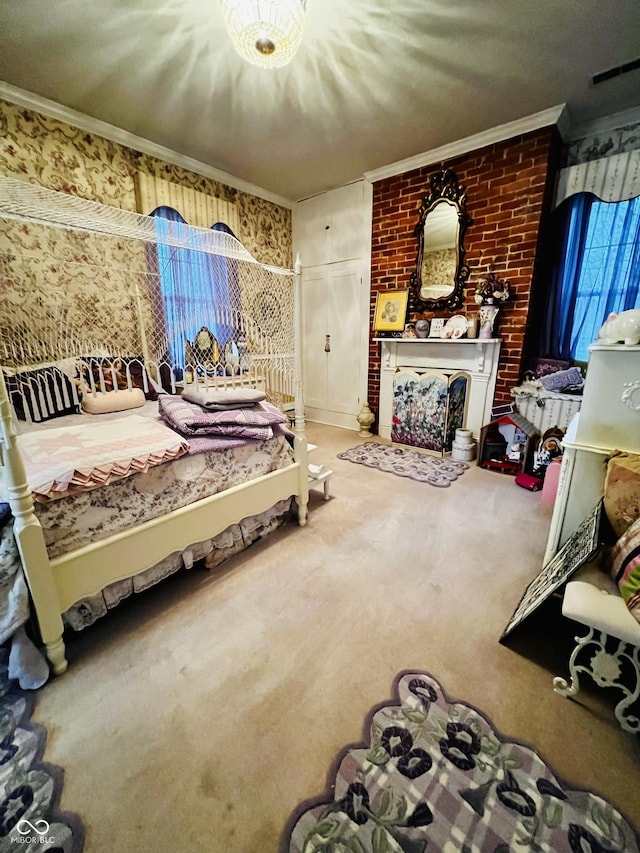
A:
[202,412]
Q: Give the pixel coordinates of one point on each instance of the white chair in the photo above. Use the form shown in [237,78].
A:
[592,598]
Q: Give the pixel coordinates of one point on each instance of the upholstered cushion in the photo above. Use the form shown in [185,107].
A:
[41,394]
[103,402]
[622,491]
[593,599]
[625,567]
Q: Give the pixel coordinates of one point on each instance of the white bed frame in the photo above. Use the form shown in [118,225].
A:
[58,583]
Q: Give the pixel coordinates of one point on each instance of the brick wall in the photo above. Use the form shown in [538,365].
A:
[509,187]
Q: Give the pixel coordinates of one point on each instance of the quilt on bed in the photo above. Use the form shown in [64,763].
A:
[93,515]
[64,461]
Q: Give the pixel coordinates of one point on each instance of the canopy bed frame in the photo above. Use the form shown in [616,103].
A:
[84,282]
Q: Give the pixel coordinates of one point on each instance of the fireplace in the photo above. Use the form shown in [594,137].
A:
[466,365]
[428,407]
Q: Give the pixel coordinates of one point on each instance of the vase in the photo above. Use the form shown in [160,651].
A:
[486,319]
[422,328]
[365,418]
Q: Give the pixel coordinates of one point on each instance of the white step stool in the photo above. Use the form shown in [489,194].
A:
[319,474]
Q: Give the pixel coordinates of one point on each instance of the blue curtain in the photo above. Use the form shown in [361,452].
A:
[192,284]
[595,271]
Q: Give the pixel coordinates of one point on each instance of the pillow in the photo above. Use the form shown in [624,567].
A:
[625,567]
[119,372]
[544,366]
[562,379]
[622,491]
[41,394]
[103,402]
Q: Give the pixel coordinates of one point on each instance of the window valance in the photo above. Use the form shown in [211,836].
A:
[197,208]
[615,178]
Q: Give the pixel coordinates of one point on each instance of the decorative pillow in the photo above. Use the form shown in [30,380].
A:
[562,379]
[119,372]
[625,567]
[622,491]
[103,402]
[545,366]
[41,394]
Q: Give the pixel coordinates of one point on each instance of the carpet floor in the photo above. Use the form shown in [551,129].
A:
[199,715]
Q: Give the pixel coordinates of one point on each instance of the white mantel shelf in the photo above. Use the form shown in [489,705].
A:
[477,356]
[447,341]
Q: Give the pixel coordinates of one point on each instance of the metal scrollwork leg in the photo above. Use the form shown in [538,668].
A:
[605,669]
[571,688]
[629,722]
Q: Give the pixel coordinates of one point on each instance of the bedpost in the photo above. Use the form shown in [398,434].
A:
[143,334]
[300,440]
[29,538]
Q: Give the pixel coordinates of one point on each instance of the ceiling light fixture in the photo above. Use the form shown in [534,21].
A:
[265,32]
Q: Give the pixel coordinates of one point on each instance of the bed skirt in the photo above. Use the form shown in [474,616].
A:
[212,552]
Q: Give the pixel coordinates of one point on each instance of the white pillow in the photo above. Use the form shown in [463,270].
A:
[103,402]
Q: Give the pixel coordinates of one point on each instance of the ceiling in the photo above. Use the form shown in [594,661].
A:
[373,82]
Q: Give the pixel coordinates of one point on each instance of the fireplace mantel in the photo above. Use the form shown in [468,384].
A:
[476,356]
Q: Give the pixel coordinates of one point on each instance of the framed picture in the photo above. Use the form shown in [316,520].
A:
[579,548]
[391,311]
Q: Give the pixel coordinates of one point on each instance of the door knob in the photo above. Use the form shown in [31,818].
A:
[327,343]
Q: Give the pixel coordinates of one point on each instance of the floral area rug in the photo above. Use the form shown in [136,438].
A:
[434,470]
[435,777]
[30,789]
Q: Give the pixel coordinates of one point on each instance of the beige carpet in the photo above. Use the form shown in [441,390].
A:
[199,715]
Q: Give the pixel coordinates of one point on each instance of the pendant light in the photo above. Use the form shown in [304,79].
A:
[265,32]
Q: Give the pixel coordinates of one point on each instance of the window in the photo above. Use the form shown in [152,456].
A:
[596,271]
[197,289]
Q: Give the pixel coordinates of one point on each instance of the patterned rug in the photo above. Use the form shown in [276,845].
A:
[30,789]
[436,777]
[434,470]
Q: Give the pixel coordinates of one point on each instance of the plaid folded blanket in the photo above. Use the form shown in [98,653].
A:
[190,419]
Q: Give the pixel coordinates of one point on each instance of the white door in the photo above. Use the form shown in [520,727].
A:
[315,327]
[332,344]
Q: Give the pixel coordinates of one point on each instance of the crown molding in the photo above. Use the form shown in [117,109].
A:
[51,109]
[553,115]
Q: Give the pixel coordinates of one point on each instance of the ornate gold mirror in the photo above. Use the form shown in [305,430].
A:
[441,272]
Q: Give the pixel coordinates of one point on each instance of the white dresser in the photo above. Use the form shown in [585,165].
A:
[609,419]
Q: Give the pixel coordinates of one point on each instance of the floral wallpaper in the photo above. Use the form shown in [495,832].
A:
[606,144]
[95,290]
[439,266]
[61,157]
[68,292]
